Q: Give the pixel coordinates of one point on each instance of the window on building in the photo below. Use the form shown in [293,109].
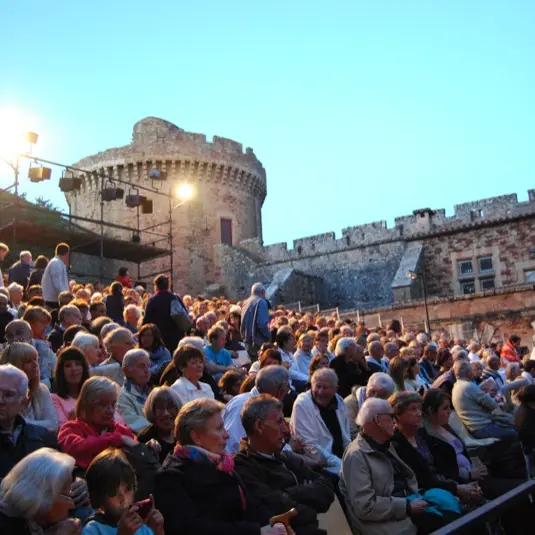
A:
[529,275]
[485,264]
[226,231]
[487,284]
[468,287]
[465,268]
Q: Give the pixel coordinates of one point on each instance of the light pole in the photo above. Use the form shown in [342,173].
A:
[415,275]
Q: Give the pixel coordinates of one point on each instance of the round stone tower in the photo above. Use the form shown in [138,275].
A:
[230,188]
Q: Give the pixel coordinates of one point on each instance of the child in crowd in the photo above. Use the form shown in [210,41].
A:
[39,320]
[111,482]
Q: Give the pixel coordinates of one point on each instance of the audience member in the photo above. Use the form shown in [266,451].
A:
[375,355]
[115,303]
[197,490]
[350,366]
[112,484]
[161,409]
[72,371]
[136,389]
[5,317]
[39,409]
[68,315]
[319,418]
[163,309]
[151,341]
[380,386]
[36,495]
[280,481]
[477,410]
[189,361]
[286,342]
[55,279]
[255,320]
[94,428]
[218,359]
[272,380]
[303,355]
[89,345]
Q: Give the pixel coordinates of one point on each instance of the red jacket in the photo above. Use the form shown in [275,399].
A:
[125,281]
[84,442]
[509,354]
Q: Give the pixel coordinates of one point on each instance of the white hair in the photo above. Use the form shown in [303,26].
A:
[16,375]
[133,355]
[33,485]
[97,296]
[83,340]
[116,335]
[195,341]
[160,393]
[343,345]
[257,288]
[15,287]
[65,310]
[371,408]
[107,329]
[131,308]
[92,390]
[325,373]
[24,253]
[421,338]
[380,383]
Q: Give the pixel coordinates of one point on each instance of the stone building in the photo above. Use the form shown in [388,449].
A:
[485,248]
[230,188]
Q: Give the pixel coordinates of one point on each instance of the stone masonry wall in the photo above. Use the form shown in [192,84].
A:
[230,183]
[508,311]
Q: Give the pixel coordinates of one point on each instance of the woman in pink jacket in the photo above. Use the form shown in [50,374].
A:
[94,428]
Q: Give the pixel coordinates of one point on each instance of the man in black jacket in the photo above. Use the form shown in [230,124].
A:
[19,272]
[279,480]
[160,311]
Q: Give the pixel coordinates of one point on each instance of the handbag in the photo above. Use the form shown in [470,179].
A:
[146,463]
[180,315]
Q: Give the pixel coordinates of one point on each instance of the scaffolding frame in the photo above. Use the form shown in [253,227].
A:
[101,223]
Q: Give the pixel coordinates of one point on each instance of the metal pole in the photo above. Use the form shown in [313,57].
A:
[171,255]
[424,286]
[101,228]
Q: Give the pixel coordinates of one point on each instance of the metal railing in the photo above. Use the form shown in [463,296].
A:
[488,512]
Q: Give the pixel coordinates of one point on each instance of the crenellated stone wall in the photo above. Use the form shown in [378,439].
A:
[230,183]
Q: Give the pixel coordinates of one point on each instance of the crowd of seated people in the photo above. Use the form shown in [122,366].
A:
[178,415]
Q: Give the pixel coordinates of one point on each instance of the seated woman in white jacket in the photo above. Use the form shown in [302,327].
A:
[136,389]
[190,363]
[319,418]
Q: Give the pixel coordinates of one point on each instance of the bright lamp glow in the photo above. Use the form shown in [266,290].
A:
[185,191]
[14,131]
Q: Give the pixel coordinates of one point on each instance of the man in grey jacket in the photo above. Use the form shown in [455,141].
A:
[255,320]
[478,411]
[55,279]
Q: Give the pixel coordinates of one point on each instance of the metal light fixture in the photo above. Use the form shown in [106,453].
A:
[133,199]
[156,174]
[38,174]
[111,192]
[68,182]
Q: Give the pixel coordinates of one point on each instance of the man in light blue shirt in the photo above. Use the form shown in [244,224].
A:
[218,359]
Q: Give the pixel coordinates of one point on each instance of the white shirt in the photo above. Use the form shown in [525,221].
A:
[232,420]
[473,357]
[55,280]
[295,373]
[307,423]
[187,391]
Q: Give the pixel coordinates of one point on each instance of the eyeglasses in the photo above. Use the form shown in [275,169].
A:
[9,396]
[390,414]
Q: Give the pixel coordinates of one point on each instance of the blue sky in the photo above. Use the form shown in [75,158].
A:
[359,111]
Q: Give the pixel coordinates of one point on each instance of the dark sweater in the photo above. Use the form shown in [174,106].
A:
[525,423]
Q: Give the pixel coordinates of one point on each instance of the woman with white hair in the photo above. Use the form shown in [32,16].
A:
[40,410]
[132,316]
[16,293]
[319,417]
[89,345]
[197,490]
[36,494]
[94,428]
[161,409]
